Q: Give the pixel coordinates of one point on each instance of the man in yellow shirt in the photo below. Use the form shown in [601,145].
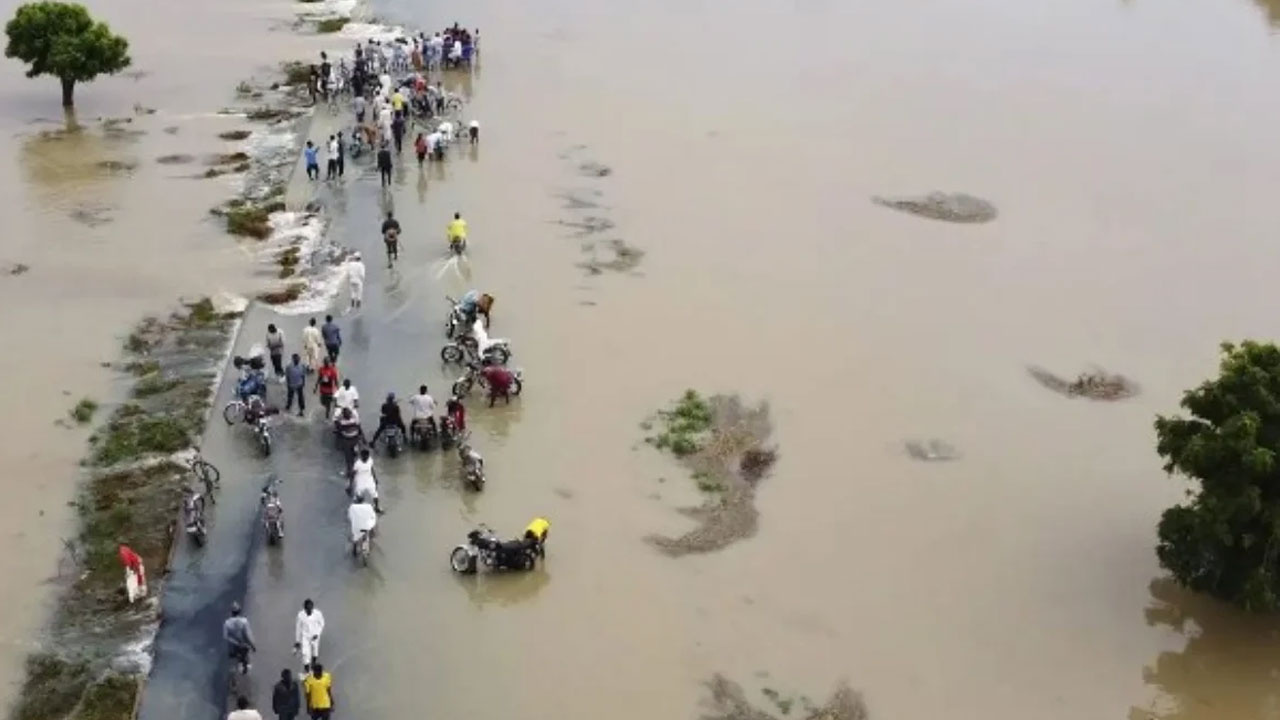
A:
[458,232]
[318,687]
[536,532]
[397,103]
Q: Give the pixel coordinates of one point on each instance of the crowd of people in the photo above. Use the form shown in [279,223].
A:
[389,89]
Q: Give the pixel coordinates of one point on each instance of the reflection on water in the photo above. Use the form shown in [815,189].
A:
[1228,667]
[503,588]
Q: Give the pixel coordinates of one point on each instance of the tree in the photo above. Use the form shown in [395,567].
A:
[60,39]
[1225,540]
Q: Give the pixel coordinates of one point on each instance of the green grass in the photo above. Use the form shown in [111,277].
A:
[296,73]
[128,436]
[684,425]
[287,294]
[111,698]
[249,221]
[83,412]
[156,384]
[52,688]
[331,25]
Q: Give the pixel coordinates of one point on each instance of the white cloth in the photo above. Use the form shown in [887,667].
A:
[446,131]
[362,468]
[362,518]
[355,276]
[434,141]
[474,125]
[306,633]
[423,406]
[364,486]
[249,714]
[346,397]
[313,345]
[333,149]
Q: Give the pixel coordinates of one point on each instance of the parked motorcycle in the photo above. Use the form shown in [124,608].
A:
[484,548]
[472,376]
[472,464]
[193,517]
[455,324]
[272,513]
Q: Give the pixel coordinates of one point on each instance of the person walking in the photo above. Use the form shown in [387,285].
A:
[327,385]
[332,156]
[342,155]
[312,346]
[295,385]
[355,278]
[318,688]
[420,148]
[473,132]
[391,236]
[243,711]
[275,348]
[286,697]
[384,163]
[308,627]
[332,337]
[239,638]
[397,132]
[359,108]
[309,153]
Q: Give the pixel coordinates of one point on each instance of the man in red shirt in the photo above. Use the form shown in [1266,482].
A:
[133,570]
[499,380]
[327,385]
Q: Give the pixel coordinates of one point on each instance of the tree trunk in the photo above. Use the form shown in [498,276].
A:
[68,88]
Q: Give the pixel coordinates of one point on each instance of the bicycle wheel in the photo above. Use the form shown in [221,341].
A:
[206,473]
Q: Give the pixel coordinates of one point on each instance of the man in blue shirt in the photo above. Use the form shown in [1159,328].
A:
[295,381]
[313,162]
[332,337]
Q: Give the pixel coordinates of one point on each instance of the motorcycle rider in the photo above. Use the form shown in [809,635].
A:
[457,232]
[347,396]
[499,379]
[363,519]
[424,411]
[239,638]
[476,303]
[364,483]
[472,461]
[272,508]
[536,532]
[390,418]
[457,413]
[349,433]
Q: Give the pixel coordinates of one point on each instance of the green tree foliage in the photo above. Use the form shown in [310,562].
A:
[1225,540]
[62,40]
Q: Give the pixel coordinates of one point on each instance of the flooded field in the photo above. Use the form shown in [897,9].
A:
[681,195]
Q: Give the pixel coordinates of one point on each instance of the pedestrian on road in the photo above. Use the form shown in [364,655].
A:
[313,83]
[420,147]
[342,155]
[499,379]
[332,337]
[295,383]
[391,236]
[243,711]
[318,687]
[327,385]
[239,637]
[308,628]
[313,162]
[473,132]
[332,157]
[355,278]
[286,697]
[312,346]
[397,132]
[384,163]
[359,107]
[275,347]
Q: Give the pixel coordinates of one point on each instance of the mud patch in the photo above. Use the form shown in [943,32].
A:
[91,215]
[175,159]
[931,450]
[117,167]
[949,207]
[727,701]
[590,225]
[724,444]
[235,134]
[16,269]
[1096,384]
[594,169]
[611,255]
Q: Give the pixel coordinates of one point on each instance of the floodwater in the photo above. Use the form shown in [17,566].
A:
[1127,148]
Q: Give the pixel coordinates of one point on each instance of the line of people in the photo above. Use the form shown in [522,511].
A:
[288,696]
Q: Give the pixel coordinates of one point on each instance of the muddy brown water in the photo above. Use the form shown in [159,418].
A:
[1127,147]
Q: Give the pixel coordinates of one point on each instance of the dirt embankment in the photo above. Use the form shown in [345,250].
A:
[729,702]
[725,444]
[90,666]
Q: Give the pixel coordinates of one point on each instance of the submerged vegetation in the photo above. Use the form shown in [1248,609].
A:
[724,444]
[83,412]
[729,702]
[331,25]
[133,497]
[251,219]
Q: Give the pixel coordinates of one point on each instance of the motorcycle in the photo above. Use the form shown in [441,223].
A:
[472,464]
[393,441]
[471,376]
[362,548]
[484,548]
[458,246]
[272,513]
[456,321]
[448,432]
[478,346]
[263,434]
[193,517]
[423,434]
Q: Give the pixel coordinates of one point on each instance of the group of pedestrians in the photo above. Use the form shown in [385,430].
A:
[289,696]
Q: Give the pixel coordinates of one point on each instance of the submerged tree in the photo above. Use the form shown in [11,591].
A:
[1225,540]
[62,40]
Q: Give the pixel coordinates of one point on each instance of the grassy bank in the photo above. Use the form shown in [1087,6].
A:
[132,495]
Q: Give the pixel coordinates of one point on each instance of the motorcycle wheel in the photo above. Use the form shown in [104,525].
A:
[499,354]
[461,388]
[462,561]
[265,441]
[233,412]
[516,386]
[526,562]
[198,537]
[451,354]
[393,449]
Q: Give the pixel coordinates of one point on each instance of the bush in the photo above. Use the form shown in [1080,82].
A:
[331,25]
[83,411]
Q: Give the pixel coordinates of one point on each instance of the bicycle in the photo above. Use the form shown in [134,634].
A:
[206,473]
